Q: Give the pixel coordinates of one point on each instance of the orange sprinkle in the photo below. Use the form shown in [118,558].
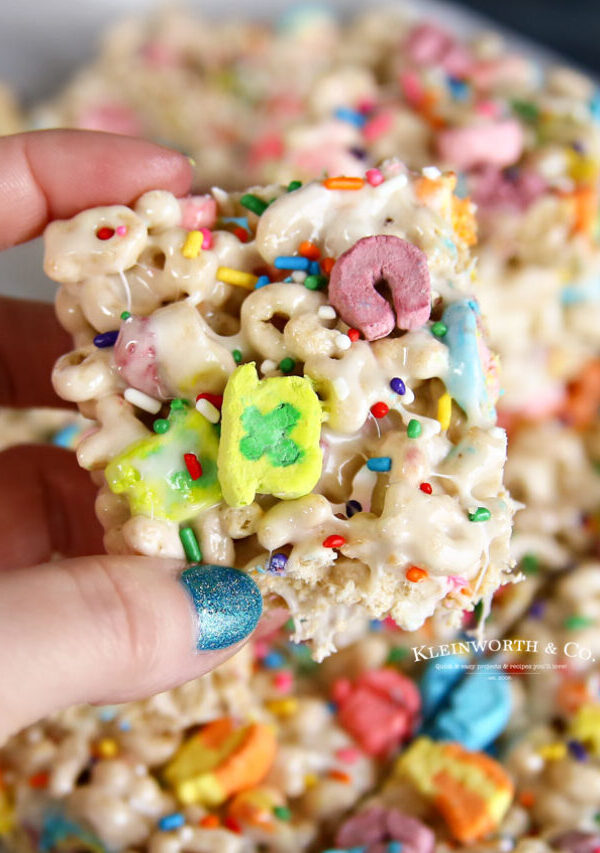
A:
[340,776]
[580,407]
[416,574]
[342,182]
[209,821]
[327,265]
[526,799]
[39,780]
[309,250]
[463,220]
[585,202]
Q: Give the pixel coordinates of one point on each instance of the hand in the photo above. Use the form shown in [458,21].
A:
[86,629]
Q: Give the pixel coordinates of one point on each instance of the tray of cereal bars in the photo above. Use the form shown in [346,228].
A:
[361,364]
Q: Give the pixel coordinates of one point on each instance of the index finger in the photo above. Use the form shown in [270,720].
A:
[53,174]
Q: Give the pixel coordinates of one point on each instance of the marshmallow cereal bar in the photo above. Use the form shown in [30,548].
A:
[293,381]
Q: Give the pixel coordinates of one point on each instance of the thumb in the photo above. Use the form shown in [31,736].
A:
[113,629]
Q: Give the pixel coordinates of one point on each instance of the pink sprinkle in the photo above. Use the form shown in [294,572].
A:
[261,649]
[366,105]
[457,582]
[377,126]
[374,177]
[198,212]
[348,754]
[283,681]
[412,88]
[122,230]
[207,238]
[487,108]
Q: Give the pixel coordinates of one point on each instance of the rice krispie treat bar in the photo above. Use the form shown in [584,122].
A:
[261,404]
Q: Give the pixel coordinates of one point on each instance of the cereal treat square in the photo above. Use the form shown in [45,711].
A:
[294,381]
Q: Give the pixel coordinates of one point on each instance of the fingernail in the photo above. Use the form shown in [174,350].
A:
[227,601]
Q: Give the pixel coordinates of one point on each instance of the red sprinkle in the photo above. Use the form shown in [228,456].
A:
[415,574]
[215,399]
[327,265]
[232,824]
[193,465]
[426,487]
[241,234]
[283,681]
[105,233]
[334,541]
[379,410]
[39,780]
[353,334]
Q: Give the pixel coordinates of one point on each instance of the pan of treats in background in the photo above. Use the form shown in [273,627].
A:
[431,739]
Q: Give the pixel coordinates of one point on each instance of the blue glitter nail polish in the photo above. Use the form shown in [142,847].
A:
[227,601]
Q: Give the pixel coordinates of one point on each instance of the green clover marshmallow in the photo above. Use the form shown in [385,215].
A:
[270,432]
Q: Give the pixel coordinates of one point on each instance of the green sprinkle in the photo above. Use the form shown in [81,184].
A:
[530,564]
[571,623]
[190,545]
[596,465]
[237,356]
[414,428]
[482,513]
[160,425]
[282,813]
[178,404]
[253,203]
[315,282]
[125,315]
[439,329]
[397,654]
[526,110]
[294,185]
[289,625]
[287,364]
[478,610]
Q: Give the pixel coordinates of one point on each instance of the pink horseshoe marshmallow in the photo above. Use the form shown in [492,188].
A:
[498,144]
[355,274]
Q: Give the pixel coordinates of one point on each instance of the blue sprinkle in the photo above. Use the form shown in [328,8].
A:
[536,611]
[379,463]
[125,725]
[458,88]
[332,707]
[292,262]
[351,116]
[577,750]
[352,507]
[289,280]
[395,847]
[277,564]
[65,437]
[594,105]
[171,821]
[462,185]
[376,625]
[106,339]
[314,268]
[398,386]
[242,221]
[107,713]
[263,280]
[273,660]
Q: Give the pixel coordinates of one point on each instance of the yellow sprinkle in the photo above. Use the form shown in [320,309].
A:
[444,411]
[193,244]
[310,780]
[237,277]
[107,748]
[283,707]
[553,751]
